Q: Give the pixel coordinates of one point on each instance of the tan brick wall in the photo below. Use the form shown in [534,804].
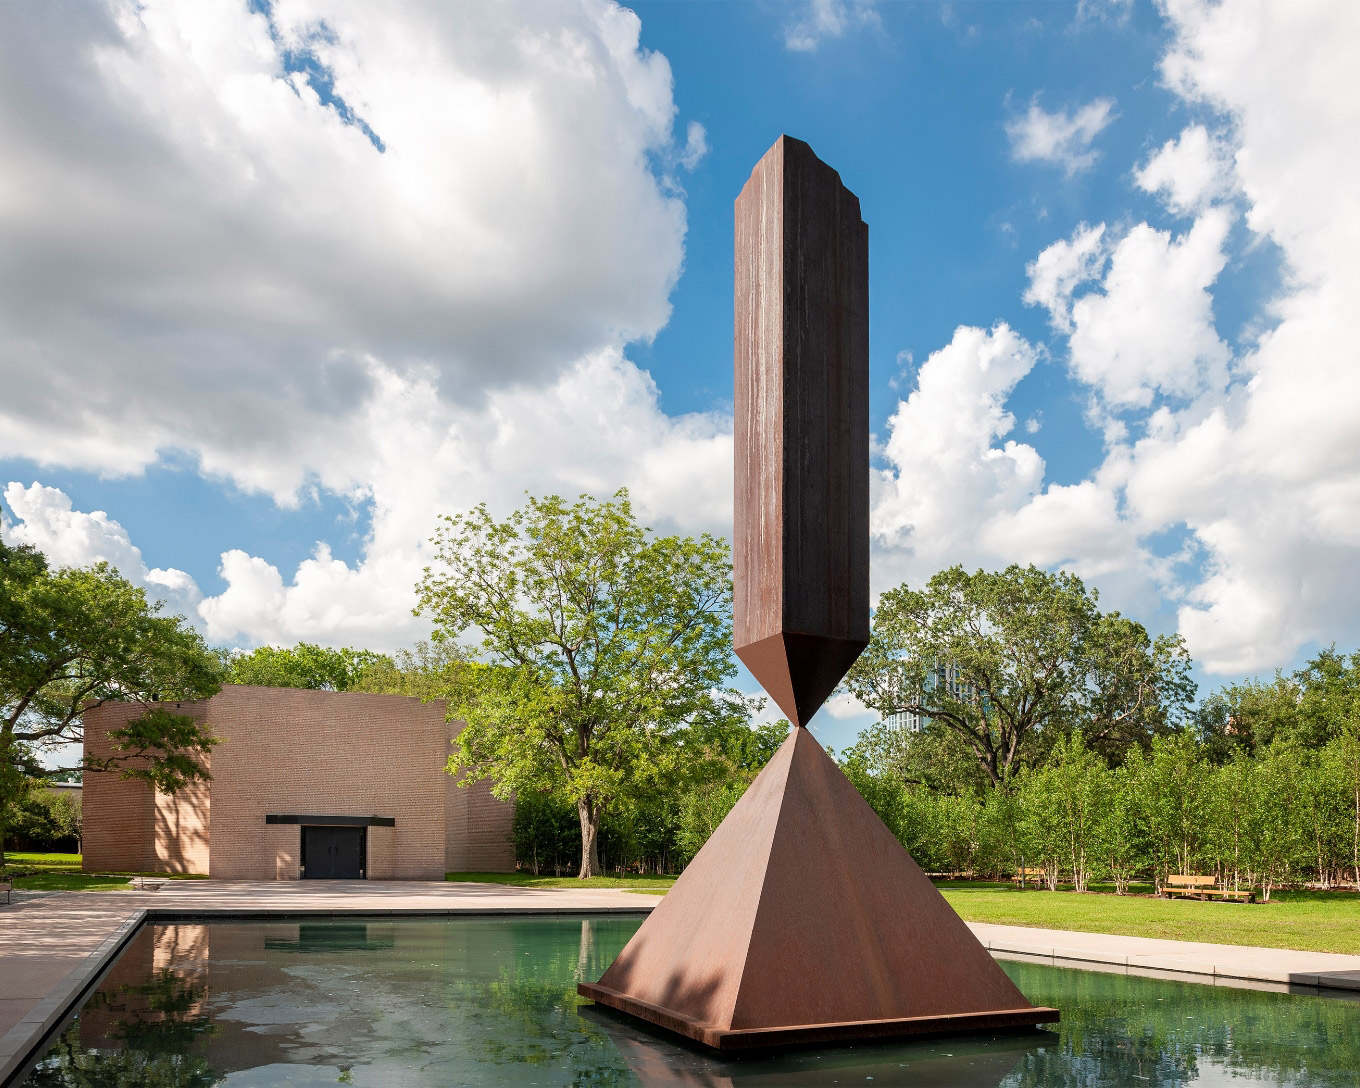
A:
[382,852]
[182,829]
[290,751]
[119,813]
[479,826]
[283,850]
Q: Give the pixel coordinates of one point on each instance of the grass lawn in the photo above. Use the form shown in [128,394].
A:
[1311,921]
[652,885]
[54,862]
[62,873]
[72,882]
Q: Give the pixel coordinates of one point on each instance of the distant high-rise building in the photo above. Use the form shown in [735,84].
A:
[943,677]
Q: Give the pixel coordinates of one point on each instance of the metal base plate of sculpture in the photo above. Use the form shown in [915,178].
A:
[803,919]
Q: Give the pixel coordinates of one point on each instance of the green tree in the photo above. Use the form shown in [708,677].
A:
[599,643]
[701,810]
[425,671]
[1276,840]
[1064,804]
[48,818]
[71,639]
[1125,834]
[1232,791]
[546,833]
[1329,697]
[934,758]
[1341,758]
[1248,716]
[1173,786]
[305,665]
[1001,658]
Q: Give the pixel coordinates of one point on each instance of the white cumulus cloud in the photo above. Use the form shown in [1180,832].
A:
[1063,137]
[1187,172]
[46,520]
[216,218]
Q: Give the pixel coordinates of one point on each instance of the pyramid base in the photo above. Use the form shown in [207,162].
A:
[729,1039]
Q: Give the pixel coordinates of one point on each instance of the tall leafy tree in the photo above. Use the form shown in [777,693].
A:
[1125,837]
[599,644]
[1232,795]
[71,639]
[1279,845]
[1064,805]
[1341,758]
[1173,787]
[1329,697]
[1002,658]
[1248,715]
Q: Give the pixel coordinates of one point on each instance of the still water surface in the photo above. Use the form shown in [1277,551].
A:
[491,1001]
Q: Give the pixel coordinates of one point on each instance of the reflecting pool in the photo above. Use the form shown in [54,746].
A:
[491,1001]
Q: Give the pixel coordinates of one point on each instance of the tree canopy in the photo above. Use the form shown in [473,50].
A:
[600,645]
[71,639]
[1311,707]
[305,665]
[1003,658]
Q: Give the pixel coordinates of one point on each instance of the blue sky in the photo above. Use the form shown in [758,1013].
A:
[283,289]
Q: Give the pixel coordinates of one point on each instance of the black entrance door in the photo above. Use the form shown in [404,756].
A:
[333,853]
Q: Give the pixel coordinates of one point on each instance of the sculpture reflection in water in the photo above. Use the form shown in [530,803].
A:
[491,1001]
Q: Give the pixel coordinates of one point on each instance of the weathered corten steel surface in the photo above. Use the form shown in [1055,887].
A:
[804,920]
[801,353]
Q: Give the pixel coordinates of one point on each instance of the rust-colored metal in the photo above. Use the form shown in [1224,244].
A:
[803,920]
[801,353]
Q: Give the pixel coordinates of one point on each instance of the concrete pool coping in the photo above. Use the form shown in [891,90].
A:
[53,950]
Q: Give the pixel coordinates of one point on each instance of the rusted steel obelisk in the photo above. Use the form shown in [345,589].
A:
[803,919]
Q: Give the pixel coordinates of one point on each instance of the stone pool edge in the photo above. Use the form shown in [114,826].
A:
[18,1044]
[21,1043]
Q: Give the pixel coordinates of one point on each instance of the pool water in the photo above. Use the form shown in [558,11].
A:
[491,1001]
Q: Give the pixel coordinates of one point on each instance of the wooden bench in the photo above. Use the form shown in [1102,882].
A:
[1024,876]
[1202,887]
[147,883]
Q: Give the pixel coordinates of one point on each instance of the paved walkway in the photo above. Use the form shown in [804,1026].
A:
[1221,961]
[51,947]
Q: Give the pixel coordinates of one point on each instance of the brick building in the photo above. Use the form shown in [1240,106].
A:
[305,784]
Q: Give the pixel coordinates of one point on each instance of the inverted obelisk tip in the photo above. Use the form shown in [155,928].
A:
[801,368]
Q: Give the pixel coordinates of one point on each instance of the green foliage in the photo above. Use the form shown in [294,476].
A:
[1064,806]
[47,819]
[426,671]
[659,831]
[600,644]
[75,638]
[1030,656]
[547,834]
[701,810]
[306,665]
[1173,788]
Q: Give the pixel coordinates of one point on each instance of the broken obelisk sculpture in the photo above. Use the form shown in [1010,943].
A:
[803,919]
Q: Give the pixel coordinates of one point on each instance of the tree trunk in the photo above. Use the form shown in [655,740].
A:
[590,831]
